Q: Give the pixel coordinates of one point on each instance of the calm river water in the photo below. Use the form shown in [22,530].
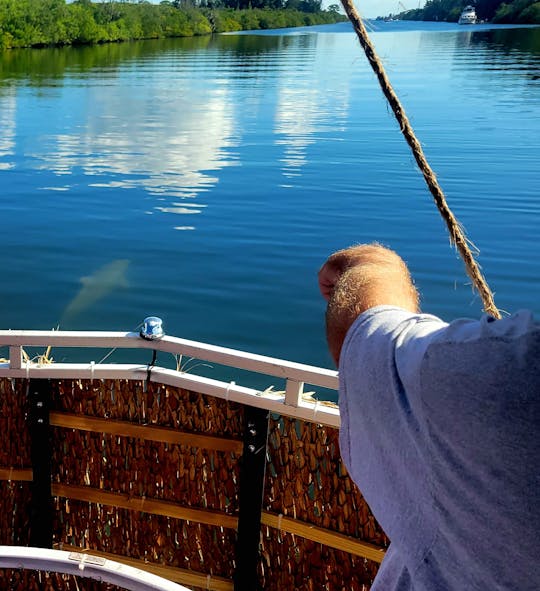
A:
[206,180]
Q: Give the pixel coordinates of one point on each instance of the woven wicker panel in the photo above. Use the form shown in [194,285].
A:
[291,562]
[306,480]
[190,476]
[154,538]
[29,580]
[155,404]
[14,453]
[14,436]
[185,475]
[14,513]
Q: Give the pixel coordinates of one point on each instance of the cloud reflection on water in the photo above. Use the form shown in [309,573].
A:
[128,142]
[8,107]
[310,103]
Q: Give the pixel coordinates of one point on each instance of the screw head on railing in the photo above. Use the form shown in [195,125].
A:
[152,328]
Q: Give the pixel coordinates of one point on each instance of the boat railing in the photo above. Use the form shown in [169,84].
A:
[291,402]
[212,484]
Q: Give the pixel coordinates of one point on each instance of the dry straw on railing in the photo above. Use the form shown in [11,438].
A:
[150,474]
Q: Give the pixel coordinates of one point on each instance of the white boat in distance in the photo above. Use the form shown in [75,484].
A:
[468,16]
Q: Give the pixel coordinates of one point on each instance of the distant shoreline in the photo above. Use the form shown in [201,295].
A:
[36,24]
[497,12]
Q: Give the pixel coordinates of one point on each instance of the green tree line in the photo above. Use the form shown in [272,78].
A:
[34,23]
[496,11]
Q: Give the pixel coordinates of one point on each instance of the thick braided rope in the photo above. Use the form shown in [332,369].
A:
[457,235]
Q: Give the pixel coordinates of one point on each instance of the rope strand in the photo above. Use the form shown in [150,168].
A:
[457,235]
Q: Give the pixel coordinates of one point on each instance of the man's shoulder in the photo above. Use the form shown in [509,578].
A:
[379,330]
[389,319]
[498,355]
[418,343]
[402,325]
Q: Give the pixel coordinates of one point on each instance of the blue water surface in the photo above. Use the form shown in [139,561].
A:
[206,180]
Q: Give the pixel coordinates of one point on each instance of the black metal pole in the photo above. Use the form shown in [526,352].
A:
[41,508]
[252,471]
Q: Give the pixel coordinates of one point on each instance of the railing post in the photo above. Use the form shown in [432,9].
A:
[293,392]
[15,357]
[252,472]
[41,508]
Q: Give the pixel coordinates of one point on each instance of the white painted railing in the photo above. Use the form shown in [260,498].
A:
[291,403]
[83,564]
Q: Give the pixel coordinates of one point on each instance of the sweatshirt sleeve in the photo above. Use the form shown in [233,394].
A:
[380,423]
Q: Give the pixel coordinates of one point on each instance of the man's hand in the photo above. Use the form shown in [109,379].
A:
[358,278]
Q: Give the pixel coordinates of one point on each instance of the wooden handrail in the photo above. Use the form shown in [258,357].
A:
[292,403]
[306,409]
[129,340]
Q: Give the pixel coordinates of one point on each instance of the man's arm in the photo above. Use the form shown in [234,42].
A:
[358,278]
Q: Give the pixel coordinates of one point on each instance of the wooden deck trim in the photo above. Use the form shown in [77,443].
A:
[324,536]
[16,474]
[170,509]
[145,432]
[154,506]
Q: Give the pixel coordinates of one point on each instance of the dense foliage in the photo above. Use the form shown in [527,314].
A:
[497,11]
[28,23]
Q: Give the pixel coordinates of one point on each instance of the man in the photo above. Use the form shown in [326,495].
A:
[439,429]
